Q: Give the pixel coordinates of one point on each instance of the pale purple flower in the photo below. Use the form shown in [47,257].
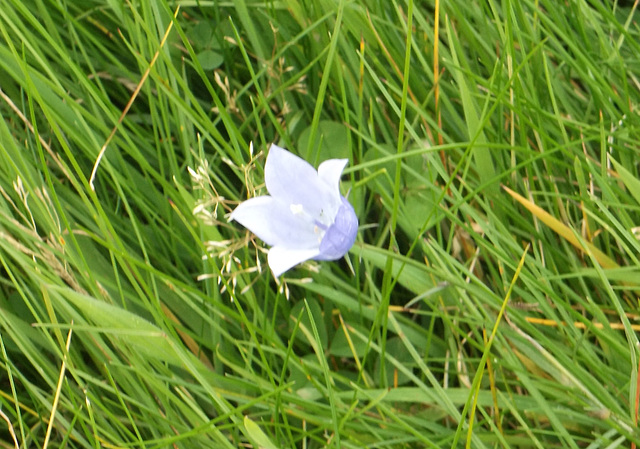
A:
[304,216]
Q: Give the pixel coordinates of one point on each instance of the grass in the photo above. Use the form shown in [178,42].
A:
[490,300]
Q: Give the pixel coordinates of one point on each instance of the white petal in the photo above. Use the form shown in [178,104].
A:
[330,172]
[281,259]
[294,181]
[276,223]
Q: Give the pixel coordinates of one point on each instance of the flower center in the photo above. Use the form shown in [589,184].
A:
[321,223]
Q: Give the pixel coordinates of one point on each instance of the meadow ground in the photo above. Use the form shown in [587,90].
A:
[490,299]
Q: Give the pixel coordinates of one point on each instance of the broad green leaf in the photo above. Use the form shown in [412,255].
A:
[394,377]
[210,59]
[408,271]
[332,140]
[119,324]
[255,433]
[631,182]
[343,347]
[481,153]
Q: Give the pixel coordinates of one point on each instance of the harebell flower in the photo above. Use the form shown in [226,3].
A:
[304,216]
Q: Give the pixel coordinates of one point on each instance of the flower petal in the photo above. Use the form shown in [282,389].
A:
[281,259]
[330,172]
[340,236]
[295,182]
[276,223]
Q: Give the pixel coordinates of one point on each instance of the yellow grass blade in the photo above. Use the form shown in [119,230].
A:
[564,231]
